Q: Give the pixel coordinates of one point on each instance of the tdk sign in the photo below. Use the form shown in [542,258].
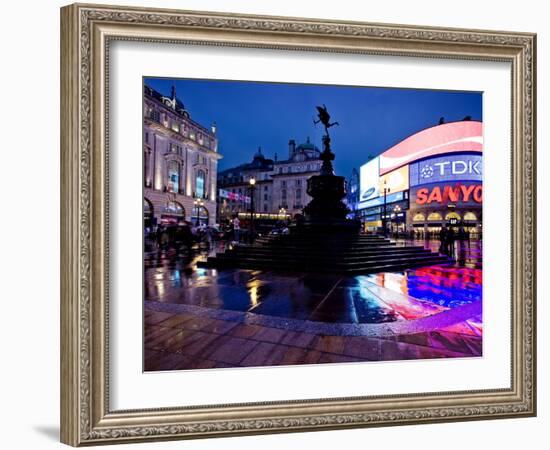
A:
[447,168]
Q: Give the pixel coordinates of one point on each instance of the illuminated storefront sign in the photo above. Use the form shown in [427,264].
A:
[445,194]
[395,181]
[454,137]
[234,196]
[447,168]
[369,176]
[390,198]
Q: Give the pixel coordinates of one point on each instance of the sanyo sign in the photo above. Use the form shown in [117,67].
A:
[447,168]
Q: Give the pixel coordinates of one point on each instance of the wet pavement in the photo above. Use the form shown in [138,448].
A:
[430,312]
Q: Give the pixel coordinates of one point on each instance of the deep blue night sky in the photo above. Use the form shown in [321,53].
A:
[253,114]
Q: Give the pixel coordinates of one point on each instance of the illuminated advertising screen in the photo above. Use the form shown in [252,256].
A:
[395,181]
[453,167]
[454,137]
[368,180]
[390,198]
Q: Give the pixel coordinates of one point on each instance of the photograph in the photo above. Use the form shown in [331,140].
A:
[288,224]
[331,225]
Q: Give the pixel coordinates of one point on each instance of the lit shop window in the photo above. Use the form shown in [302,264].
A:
[470,216]
[175,127]
[452,215]
[419,217]
[173,176]
[434,216]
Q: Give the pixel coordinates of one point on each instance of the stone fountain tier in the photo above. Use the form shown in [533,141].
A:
[326,210]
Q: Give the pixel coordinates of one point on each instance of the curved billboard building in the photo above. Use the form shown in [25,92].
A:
[429,180]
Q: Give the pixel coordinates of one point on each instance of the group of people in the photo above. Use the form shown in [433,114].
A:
[181,235]
[447,238]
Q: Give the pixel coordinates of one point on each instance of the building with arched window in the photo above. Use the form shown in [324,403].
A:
[180,161]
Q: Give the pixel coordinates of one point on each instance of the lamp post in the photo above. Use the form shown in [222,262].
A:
[384,218]
[252,183]
[198,203]
[396,211]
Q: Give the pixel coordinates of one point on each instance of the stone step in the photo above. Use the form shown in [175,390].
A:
[326,252]
[330,250]
[305,243]
[329,255]
[378,266]
[342,260]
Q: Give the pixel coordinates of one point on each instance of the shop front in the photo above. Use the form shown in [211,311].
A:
[456,206]
[172,213]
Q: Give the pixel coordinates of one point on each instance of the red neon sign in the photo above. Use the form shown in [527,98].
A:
[453,194]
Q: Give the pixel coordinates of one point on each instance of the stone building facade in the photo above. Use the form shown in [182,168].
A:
[180,160]
[280,187]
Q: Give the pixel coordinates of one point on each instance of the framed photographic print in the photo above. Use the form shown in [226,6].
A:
[281,224]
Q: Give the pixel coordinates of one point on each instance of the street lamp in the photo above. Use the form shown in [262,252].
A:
[198,204]
[384,219]
[252,183]
[396,211]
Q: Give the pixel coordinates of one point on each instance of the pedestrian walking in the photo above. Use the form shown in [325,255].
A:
[451,237]
[236,229]
[443,243]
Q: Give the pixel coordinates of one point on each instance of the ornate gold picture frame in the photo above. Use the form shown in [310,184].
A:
[87,32]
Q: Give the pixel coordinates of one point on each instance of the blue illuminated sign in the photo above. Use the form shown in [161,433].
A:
[455,167]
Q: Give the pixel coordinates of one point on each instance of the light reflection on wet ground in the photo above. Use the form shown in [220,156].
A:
[377,298]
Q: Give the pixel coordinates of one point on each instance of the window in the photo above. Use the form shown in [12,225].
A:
[298,182]
[146,138]
[283,194]
[470,216]
[419,217]
[265,207]
[265,197]
[173,176]
[174,209]
[434,216]
[199,216]
[155,115]
[265,188]
[283,183]
[452,215]
[199,184]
